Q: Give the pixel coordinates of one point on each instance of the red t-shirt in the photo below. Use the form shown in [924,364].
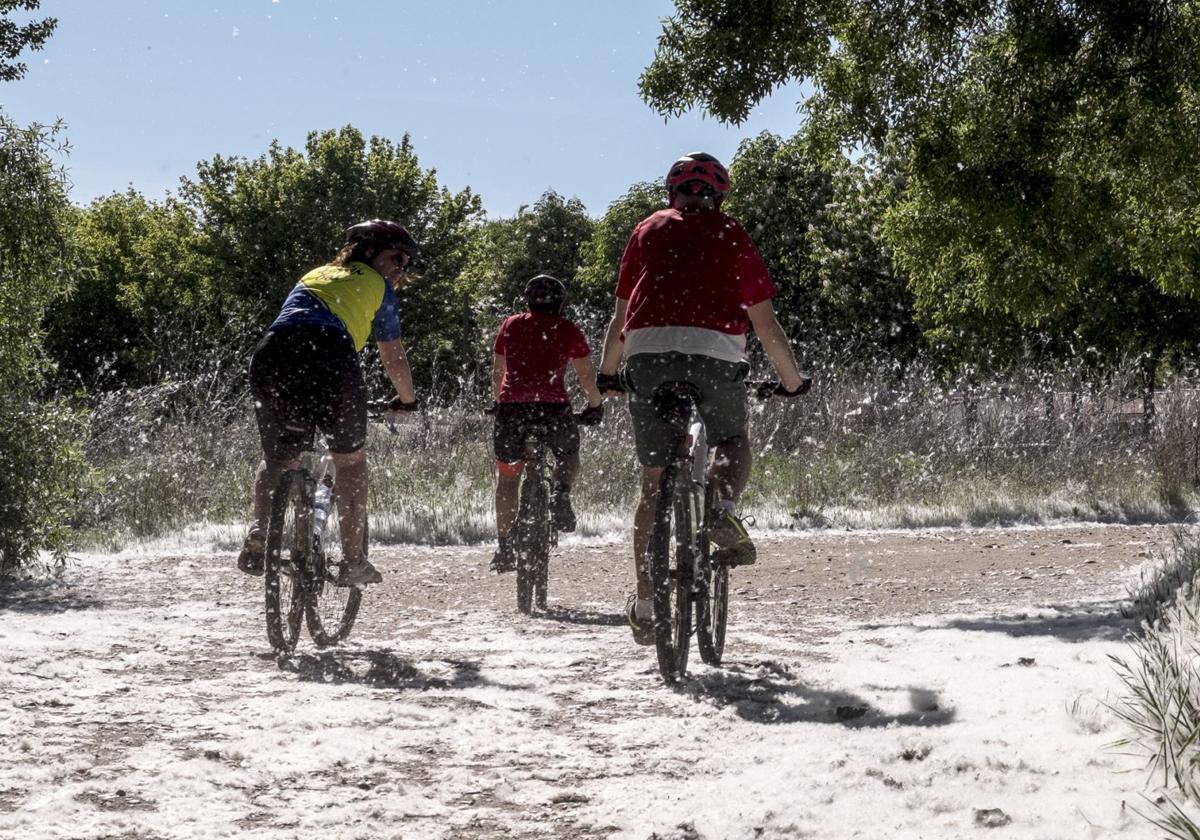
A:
[536,347]
[697,270]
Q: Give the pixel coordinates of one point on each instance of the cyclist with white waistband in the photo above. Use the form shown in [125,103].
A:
[305,376]
[690,284]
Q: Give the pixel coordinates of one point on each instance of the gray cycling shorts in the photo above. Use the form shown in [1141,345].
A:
[722,402]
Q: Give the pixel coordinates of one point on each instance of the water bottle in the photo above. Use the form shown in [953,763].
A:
[321,504]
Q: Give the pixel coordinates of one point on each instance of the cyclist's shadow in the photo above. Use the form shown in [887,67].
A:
[581,615]
[384,669]
[768,692]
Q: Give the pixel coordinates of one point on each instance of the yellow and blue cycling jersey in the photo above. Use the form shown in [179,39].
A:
[354,298]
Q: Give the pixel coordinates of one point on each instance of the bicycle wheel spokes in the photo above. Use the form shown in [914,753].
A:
[287,537]
[330,610]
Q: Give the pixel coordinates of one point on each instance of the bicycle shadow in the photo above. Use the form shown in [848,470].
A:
[767,692]
[44,596]
[581,615]
[1096,621]
[377,668]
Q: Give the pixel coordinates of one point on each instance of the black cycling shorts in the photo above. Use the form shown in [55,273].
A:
[513,418]
[305,379]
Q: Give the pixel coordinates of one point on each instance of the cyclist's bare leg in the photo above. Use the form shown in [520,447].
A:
[507,489]
[729,470]
[266,480]
[643,524]
[567,469]
[351,492]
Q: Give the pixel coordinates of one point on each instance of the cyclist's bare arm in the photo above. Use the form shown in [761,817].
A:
[610,356]
[775,343]
[586,374]
[395,363]
[499,365]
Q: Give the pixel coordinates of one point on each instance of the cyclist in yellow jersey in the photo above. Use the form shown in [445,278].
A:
[305,377]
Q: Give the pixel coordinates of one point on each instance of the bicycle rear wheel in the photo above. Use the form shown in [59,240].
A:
[329,610]
[671,578]
[533,544]
[289,535]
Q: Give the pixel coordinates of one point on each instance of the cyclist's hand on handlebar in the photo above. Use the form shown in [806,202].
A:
[771,388]
[591,416]
[609,384]
[398,404]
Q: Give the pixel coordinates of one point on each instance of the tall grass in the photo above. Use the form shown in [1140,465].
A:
[1161,703]
[856,452]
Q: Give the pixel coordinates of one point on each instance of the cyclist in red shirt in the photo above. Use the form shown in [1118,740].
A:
[532,351]
[690,284]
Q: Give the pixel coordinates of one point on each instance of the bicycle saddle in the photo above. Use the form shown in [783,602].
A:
[673,402]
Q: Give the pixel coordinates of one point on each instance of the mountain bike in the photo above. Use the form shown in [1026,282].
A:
[304,555]
[534,533]
[686,580]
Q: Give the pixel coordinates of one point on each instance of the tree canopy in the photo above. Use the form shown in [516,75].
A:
[1047,147]
[16,39]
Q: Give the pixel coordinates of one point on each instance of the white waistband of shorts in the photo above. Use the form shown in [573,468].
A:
[691,340]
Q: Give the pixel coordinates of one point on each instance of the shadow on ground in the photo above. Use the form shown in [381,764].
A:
[580,615]
[1098,621]
[768,692]
[44,596]
[384,669]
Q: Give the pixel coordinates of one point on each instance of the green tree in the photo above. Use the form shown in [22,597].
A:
[41,467]
[1048,148]
[601,255]
[15,39]
[816,217]
[143,308]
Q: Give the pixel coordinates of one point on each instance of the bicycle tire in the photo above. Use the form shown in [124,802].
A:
[712,612]
[670,611]
[329,610]
[289,529]
[682,574]
[533,542]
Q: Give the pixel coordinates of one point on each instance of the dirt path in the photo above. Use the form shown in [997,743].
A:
[144,703]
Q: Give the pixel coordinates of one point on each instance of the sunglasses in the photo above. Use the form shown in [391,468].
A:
[404,262]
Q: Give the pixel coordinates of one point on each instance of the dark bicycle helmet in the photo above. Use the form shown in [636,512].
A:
[545,293]
[383,234]
[698,166]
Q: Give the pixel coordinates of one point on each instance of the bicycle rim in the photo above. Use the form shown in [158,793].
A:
[288,534]
[329,610]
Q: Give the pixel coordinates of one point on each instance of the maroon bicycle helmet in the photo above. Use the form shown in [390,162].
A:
[698,166]
[384,233]
[546,292]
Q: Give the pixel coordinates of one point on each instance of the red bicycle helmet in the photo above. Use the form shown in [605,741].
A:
[698,166]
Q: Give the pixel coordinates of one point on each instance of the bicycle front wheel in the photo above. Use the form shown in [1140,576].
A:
[329,610]
[289,535]
[672,596]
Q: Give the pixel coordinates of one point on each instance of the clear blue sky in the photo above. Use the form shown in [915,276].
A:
[509,97]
